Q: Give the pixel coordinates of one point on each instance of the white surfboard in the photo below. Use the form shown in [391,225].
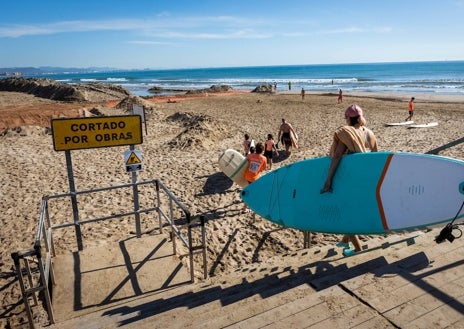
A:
[425,125]
[233,164]
[294,139]
[404,123]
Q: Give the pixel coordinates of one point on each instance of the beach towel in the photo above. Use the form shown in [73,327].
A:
[348,136]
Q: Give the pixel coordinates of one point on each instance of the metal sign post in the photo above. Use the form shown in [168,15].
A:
[75,209]
[135,192]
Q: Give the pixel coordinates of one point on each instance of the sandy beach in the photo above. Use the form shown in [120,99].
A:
[184,139]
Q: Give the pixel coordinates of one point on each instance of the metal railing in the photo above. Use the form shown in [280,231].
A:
[35,280]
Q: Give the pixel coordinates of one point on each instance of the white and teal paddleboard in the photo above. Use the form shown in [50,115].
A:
[373,193]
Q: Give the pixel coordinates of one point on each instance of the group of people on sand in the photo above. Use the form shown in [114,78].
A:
[254,152]
[256,161]
[270,147]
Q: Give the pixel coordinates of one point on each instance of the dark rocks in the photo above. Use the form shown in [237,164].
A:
[263,89]
[54,90]
[212,89]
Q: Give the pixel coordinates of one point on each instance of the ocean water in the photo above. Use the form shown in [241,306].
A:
[408,78]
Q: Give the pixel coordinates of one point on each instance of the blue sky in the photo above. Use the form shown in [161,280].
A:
[187,33]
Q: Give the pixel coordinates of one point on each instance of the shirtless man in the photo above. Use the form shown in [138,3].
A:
[284,134]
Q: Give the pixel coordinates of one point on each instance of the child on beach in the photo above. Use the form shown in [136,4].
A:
[247,144]
[269,150]
[256,163]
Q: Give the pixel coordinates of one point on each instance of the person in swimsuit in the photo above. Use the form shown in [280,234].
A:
[284,134]
[270,147]
[354,137]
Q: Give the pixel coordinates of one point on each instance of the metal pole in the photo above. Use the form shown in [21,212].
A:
[203,242]
[19,273]
[306,239]
[444,147]
[72,190]
[135,191]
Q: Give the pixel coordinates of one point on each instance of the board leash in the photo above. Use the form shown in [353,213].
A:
[447,232]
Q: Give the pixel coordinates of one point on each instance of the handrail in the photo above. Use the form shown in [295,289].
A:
[446,146]
[44,241]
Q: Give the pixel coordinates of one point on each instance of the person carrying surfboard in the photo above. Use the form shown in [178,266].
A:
[354,137]
[286,134]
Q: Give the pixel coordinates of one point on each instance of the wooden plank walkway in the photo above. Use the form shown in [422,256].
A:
[405,281]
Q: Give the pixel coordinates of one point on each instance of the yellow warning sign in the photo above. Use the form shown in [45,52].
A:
[133,159]
[84,133]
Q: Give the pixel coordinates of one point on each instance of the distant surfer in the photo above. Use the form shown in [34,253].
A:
[286,133]
[411,109]
[351,138]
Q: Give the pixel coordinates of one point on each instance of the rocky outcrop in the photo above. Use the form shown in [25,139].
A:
[97,91]
[263,89]
[54,90]
[212,89]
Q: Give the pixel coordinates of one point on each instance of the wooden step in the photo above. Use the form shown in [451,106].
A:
[406,281]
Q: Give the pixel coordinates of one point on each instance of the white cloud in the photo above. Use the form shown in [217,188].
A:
[70,26]
[162,22]
[148,42]
[357,30]
[165,26]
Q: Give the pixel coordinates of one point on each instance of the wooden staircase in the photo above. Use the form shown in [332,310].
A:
[402,281]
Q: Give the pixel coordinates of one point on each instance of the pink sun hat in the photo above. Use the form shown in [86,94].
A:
[353,111]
